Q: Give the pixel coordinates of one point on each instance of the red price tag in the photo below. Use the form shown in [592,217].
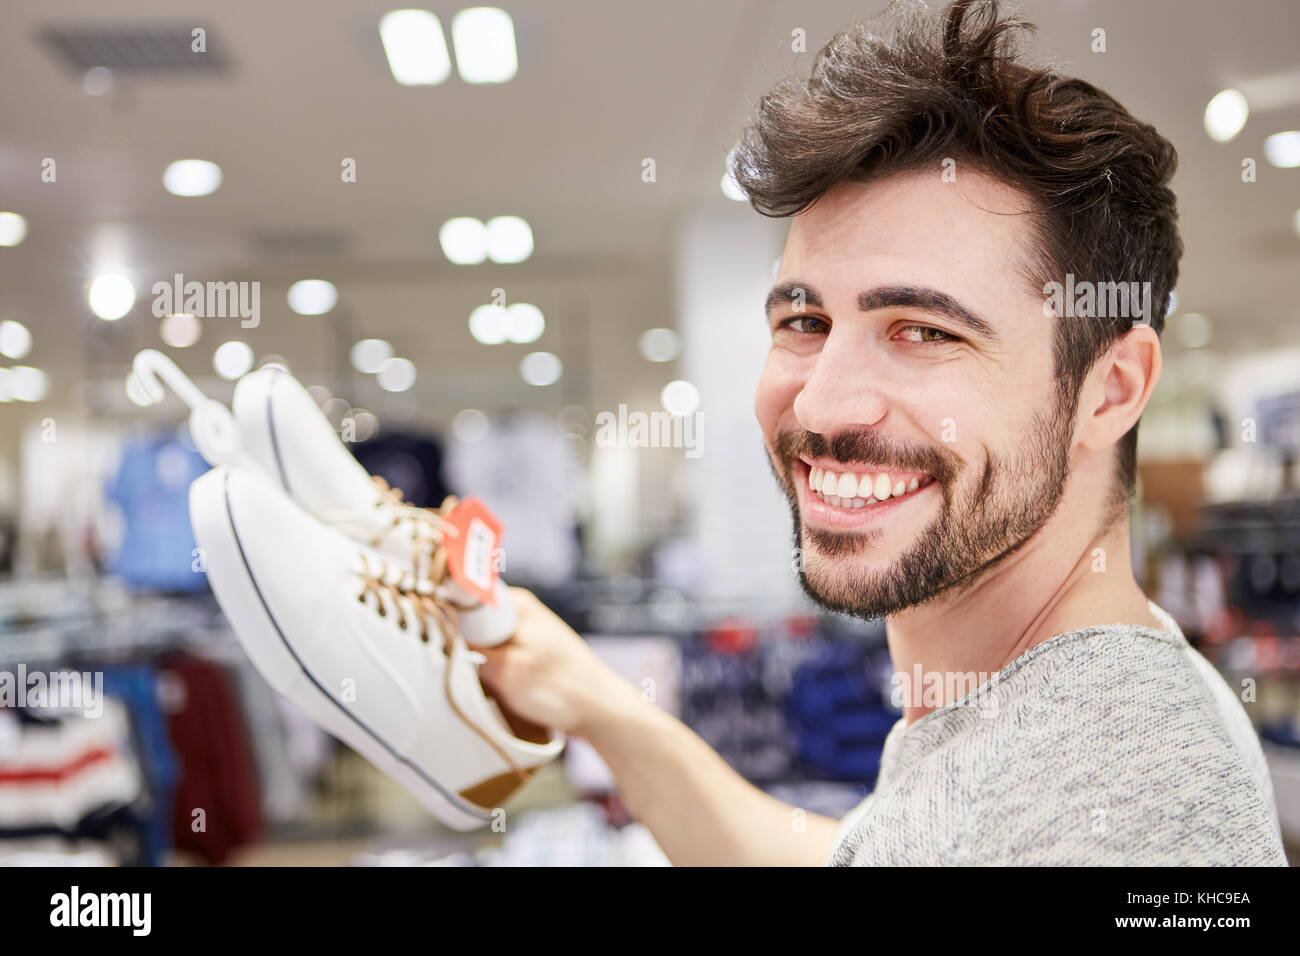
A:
[472,542]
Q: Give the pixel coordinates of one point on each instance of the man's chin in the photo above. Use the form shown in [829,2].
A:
[838,579]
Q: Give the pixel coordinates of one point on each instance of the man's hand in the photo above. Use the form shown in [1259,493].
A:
[699,809]
[548,674]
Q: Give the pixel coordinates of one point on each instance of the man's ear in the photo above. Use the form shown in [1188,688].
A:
[1119,386]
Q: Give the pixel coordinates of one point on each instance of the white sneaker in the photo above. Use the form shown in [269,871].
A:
[283,430]
[337,628]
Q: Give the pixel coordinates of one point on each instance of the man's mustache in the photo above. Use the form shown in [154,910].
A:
[866,448]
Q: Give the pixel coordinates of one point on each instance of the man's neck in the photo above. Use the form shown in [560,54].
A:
[1068,576]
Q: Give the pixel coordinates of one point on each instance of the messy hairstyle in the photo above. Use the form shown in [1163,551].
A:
[952,85]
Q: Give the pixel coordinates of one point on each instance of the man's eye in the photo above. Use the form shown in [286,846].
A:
[805,325]
[926,334]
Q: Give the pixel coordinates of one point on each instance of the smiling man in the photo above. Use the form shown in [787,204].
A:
[958,447]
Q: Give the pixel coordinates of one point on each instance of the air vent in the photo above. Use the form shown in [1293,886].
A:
[134,49]
[300,245]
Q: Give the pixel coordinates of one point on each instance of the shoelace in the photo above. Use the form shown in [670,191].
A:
[428,526]
[427,609]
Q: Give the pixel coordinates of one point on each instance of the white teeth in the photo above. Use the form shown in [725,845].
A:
[846,490]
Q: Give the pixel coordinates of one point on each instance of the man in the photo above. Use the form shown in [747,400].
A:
[964,336]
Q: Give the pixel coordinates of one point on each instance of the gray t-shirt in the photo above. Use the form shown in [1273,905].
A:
[1108,746]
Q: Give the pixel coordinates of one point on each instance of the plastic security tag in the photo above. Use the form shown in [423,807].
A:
[472,548]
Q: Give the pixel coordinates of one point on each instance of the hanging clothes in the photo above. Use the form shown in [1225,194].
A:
[520,471]
[152,489]
[68,775]
[218,804]
[412,463]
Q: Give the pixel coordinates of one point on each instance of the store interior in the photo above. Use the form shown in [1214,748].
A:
[485,278]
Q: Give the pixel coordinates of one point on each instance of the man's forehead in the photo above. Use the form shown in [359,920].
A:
[919,224]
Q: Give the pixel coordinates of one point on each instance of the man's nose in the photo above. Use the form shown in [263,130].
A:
[843,390]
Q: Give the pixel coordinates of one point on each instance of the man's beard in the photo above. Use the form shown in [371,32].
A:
[983,520]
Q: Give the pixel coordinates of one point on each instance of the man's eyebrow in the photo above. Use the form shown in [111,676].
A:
[792,292]
[926,300]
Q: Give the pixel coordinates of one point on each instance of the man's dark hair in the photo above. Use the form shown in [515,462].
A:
[951,86]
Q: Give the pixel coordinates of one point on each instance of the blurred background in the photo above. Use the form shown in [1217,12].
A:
[477,234]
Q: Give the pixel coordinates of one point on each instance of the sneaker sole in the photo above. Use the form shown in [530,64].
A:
[254,624]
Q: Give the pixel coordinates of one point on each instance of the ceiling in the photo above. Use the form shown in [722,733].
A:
[601,87]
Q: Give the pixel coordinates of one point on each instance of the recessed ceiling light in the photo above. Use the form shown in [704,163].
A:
[526,323]
[659,345]
[415,47]
[192,177]
[1283,149]
[489,324]
[97,81]
[484,38]
[509,239]
[13,228]
[1225,115]
[27,384]
[365,424]
[232,360]
[312,296]
[541,368]
[180,330]
[397,375]
[369,355]
[680,398]
[463,240]
[111,296]
[470,425]
[15,340]
[731,188]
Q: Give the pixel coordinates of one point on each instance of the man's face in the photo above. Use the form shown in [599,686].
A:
[908,402]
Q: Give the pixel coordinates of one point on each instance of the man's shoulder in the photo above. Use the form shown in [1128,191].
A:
[1107,745]
[1105,694]
[1112,744]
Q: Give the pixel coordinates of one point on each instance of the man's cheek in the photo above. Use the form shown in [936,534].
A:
[775,394]
[767,404]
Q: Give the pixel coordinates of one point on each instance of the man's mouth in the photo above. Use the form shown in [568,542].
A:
[850,490]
